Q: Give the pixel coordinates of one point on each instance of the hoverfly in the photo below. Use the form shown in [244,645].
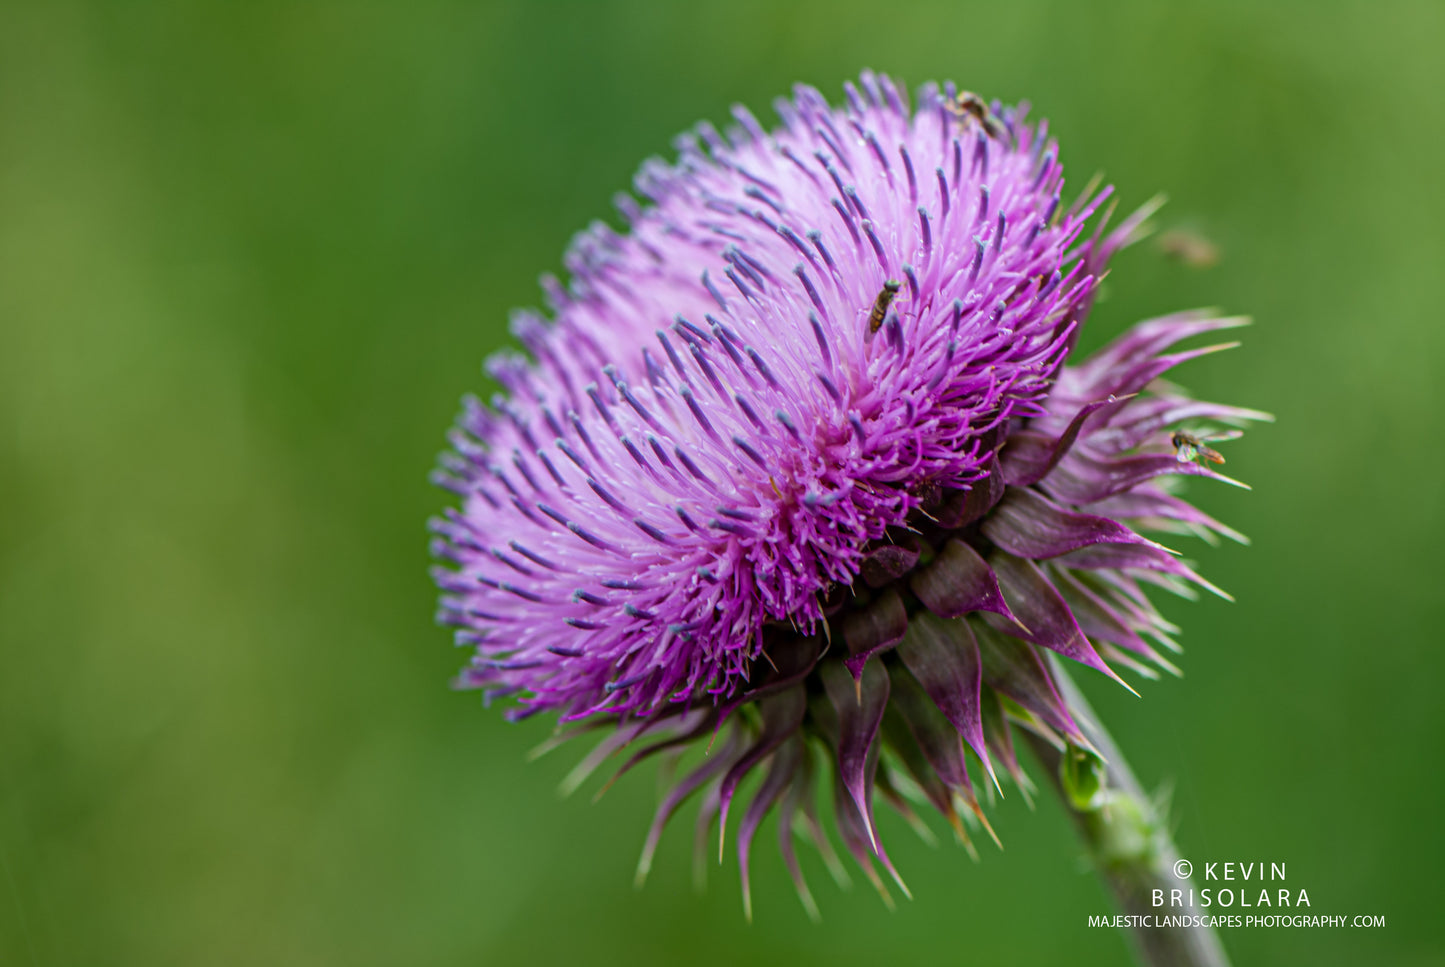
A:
[880,304]
[969,105]
[1191,248]
[1188,448]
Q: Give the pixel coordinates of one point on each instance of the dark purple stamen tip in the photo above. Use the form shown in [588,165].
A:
[762,367]
[788,425]
[712,291]
[651,531]
[752,454]
[821,339]
[847,216]
[908,171]
[747,410]
[877,245]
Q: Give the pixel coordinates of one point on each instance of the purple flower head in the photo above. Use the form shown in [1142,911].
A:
[798,458]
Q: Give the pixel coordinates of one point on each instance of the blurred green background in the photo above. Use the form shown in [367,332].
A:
[251,255]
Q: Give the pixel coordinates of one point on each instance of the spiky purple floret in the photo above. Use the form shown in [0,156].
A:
[720,497]
[711,436]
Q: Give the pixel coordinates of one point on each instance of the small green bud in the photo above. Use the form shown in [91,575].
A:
[1082,775]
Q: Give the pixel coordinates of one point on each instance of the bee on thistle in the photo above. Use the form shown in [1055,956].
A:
[969,105]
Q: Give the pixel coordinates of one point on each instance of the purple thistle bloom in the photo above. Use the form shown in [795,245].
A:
[799,458]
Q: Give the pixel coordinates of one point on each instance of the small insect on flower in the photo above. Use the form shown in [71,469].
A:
[969,105]
[880,304]
[1188,448]
[1190,248]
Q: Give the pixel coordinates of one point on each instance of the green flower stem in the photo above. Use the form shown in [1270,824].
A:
[1127,840]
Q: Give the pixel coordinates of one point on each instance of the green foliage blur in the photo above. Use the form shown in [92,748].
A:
[251,256]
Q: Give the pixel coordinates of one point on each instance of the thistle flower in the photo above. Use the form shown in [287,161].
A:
[798,468]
